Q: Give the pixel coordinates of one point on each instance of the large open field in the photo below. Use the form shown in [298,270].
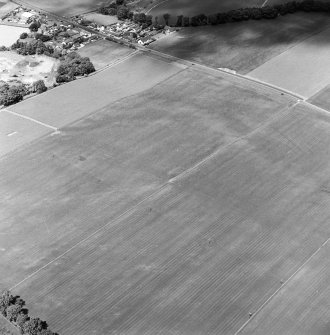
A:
[179,209]
[242,46]
[175,198]
[86,183]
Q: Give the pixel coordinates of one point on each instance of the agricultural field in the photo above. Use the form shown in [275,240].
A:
[242,46]
[10,34]
[300,69]
[322,98]
[67,103]
[67,8]
[101,19]
[200,252]
[16,132]
[108,174]
[103,52]
[302,305]
[6,328]
[5,7]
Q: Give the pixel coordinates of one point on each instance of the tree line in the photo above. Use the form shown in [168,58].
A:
[120,9]
[14,310]
[252,13]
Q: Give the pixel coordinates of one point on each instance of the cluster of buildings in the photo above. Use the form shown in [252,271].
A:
[62,36]
[127,30]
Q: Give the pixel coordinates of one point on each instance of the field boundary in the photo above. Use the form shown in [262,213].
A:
[225,73]
[283,284]
[31,119]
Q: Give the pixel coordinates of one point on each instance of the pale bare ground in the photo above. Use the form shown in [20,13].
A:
[301,68]
[10,34]
[27,69]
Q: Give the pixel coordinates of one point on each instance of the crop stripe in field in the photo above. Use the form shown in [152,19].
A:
[31,119]
[282,286]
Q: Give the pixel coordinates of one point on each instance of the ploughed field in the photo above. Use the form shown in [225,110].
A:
[177,207]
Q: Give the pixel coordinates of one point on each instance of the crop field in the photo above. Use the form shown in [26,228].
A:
[104,52]
[91,179]
[242,46]
[200,252]
[101,19]
[6,7]
[300,69]
[76,99]
[16,132]
[67,8]
[322,98]
[194,7]
[6,328]
[302,306]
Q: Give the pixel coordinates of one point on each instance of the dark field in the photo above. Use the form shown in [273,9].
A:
[242,46]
